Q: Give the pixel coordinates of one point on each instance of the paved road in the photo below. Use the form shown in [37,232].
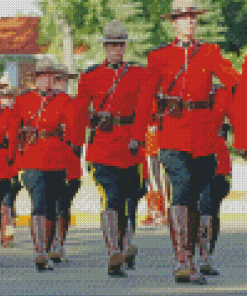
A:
[86,272]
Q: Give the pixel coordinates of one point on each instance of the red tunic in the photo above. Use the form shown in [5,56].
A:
[108,148]
[50,153]
[193,131]
[6,171]
[239,110]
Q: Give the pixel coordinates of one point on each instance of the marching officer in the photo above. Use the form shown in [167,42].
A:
[112,102]
[9,177]
[158,192]
[60,86]
[238,111]
[37,146]
[218,188]
[187,135]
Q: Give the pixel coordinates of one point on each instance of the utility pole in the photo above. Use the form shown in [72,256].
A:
[68,46]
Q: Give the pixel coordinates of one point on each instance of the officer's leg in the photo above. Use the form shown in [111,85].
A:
[9,214]
[134,191]
[15,189]
[6,205]
[63,218]
[179,166]
[204,225]
[114,215]
[212,196]
[42,187]
[221,189]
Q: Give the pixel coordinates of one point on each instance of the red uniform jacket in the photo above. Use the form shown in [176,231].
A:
[47,154]
[108,148]
[6,171]
[193,131]
[239,110]
[222,108]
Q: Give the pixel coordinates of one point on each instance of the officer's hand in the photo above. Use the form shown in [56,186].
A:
[134,147]
[10,162]
[242,153]
[77,150]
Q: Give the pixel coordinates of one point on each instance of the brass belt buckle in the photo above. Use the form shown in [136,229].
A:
[189,106]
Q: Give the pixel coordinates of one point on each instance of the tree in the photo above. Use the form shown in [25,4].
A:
[131,14]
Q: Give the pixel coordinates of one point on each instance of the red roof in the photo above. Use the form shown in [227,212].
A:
[19,35]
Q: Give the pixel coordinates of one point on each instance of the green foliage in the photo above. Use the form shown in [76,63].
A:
[2,68]
[142,19]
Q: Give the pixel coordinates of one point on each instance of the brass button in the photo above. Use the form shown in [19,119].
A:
[44,109]
[188,95]
[44,119]
[29,112]
[203,70]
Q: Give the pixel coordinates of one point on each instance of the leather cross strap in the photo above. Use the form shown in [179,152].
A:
[183,68]
[115,84]
[117,120]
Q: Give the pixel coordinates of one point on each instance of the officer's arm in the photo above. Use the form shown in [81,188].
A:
[239,111]
[144,108]
[77,113]
[3,124]
[13,125]
[223,68]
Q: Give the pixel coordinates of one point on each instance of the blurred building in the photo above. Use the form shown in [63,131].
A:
[19,48]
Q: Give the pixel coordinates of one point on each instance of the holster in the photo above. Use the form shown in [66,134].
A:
[173,105]
[27,135]
[105,121]
[30,135]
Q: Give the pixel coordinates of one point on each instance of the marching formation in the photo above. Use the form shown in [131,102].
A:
[155,129]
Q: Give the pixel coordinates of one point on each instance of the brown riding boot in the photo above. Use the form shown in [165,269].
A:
[7,227]
[205,241]
[185,270]
[42,232]
[129,249]
[111,235]
[56,253]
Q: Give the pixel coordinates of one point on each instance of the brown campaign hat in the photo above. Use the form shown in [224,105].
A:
[47,66]
[3,85]
[115,31]
[183,7]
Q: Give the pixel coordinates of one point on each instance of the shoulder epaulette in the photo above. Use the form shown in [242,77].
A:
[58,92]
[162,46]
[136,64]
[25,91]
[201,41]
[90,69]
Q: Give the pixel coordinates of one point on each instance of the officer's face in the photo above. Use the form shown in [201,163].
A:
[60,82]
[44,82]
[185,26]
[115,51]
[7,101]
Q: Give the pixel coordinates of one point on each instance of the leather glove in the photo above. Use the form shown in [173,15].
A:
[134,146]
[10,162]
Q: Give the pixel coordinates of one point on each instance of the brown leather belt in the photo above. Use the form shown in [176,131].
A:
[174,107]
[173,102]
[117,120]
[42,134]
[30,135]
[47,134]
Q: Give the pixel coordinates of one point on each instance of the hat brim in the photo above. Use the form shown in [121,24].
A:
[70,76]
[105,40]
[2,86]
[172,14]
[9,94]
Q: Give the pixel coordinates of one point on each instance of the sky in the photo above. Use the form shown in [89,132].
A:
[10,8]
